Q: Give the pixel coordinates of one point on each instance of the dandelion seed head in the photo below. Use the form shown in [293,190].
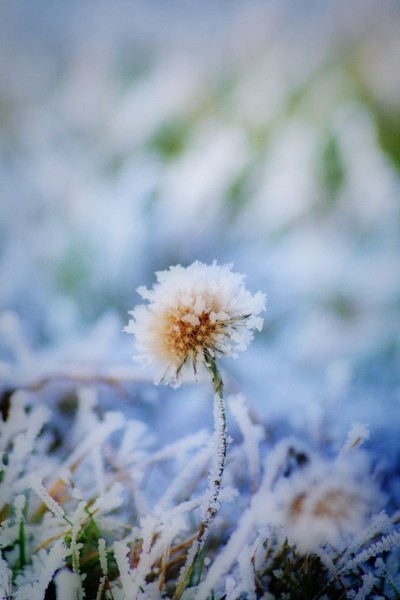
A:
[325,503]
[191,312]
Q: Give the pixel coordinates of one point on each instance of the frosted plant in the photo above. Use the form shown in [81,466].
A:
[32,584]
[195,315]
[325,502]
[104,567]
[306,501]
[5,578]
[252,435]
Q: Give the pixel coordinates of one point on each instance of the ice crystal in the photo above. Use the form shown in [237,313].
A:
[357,435]
[68,584]
[103,555]
[385,544]
[45,497]
[5,578]
[33,583]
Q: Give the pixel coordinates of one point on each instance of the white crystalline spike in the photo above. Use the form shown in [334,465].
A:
[103,556]
[385,544]
[200,305]
[357,435]
[45,497]
[121,551]
[109,500]
[219,316]
[191,319]
[187,300]
[32,584]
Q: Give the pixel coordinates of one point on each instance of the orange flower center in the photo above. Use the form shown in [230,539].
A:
[186,339]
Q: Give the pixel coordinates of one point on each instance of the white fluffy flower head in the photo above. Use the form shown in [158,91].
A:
[325,502]
[193,312]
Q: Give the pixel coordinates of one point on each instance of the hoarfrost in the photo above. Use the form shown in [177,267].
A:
[33,582]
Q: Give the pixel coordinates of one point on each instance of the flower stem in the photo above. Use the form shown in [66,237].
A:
[215,475]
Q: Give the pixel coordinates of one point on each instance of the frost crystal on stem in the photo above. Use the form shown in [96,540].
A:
[193,312]
[215,477]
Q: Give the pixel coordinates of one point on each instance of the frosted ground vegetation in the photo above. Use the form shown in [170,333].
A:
[254,133]
[101,527]
[87,520]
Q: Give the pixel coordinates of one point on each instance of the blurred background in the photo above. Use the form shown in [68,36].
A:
[140,134]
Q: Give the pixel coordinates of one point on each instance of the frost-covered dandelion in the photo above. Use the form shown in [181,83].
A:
[326,503]
[195,315]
